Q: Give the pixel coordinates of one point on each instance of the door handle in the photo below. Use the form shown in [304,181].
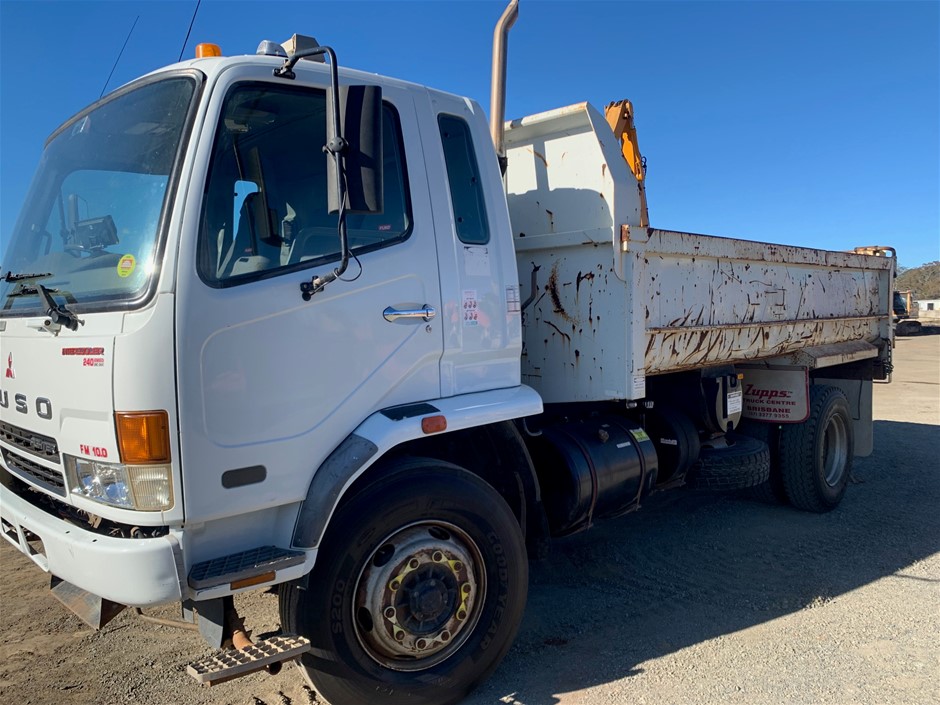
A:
[425,313]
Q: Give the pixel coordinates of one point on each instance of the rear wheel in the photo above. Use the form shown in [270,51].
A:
[417,592]
[816,455]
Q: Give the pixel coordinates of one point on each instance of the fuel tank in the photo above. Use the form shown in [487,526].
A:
[591,469]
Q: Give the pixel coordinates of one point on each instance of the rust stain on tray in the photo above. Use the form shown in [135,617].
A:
[555,294]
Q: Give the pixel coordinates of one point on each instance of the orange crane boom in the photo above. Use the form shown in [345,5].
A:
[619,116]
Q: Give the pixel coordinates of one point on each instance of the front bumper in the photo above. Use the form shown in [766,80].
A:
[134,572]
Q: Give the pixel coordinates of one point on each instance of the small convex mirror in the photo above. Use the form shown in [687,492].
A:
[360,114]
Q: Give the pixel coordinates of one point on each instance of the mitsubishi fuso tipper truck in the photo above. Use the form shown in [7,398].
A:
[268,322]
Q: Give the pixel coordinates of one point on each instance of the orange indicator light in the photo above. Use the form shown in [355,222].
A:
[143,436]
[434,424]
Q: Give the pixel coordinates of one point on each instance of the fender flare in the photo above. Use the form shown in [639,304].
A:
[389,428]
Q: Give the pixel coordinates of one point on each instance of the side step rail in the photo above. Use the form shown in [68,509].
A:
[228,664]
[246,566]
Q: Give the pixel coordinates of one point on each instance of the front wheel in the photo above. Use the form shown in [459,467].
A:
[418,589]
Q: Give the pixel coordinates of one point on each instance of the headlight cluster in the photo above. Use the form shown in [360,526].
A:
[141,487]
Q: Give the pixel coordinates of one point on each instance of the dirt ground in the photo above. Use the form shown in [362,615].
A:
[695,599]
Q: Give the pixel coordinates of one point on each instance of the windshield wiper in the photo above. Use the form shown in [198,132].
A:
[58,315]
[10,277]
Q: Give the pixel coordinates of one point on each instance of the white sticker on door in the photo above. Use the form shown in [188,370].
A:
[476,261]
[471,308]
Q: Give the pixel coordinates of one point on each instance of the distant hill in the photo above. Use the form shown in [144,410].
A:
[924,281]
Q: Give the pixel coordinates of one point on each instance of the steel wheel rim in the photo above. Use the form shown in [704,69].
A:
[419,596]
[835,451]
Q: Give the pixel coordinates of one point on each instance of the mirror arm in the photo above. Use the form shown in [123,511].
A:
[286,70]
[336,147]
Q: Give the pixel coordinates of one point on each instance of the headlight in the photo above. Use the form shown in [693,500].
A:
[141,487]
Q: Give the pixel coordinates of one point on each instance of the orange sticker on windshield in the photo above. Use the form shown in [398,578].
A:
[125,267]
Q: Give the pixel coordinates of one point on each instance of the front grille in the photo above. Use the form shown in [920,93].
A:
[33,443]
[52,480]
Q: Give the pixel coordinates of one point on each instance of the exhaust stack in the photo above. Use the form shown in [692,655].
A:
[498,80]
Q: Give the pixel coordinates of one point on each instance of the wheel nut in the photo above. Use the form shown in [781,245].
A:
[395,584]
[445,636]
[466,588]
[462,615]
[390,612]
[437,556]
[458,565]
[413,563]
[399,636]
[421,643]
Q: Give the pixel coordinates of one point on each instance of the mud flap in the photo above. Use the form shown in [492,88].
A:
[92,610]
[776,393]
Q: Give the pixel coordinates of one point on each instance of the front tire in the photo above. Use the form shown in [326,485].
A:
[417,592]
[816,455]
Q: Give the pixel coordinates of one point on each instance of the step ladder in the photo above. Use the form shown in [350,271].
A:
[227,664]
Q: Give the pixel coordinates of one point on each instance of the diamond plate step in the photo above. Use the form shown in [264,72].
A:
[230,663]
[239,566]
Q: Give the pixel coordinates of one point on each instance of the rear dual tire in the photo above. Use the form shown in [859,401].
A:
[810,462]
[816,455]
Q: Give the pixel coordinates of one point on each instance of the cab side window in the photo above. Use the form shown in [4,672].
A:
[463,175]
[265,202]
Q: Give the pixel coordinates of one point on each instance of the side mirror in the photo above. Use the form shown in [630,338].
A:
[360,112]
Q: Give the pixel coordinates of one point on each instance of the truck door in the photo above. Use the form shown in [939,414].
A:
[265,378]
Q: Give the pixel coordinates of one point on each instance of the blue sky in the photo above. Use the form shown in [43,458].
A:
[810,123]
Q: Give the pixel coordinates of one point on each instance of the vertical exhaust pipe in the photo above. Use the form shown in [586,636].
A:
[498,80]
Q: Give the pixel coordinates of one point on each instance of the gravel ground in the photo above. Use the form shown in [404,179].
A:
[695,599]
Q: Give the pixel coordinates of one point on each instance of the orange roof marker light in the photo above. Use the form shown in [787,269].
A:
[205,49]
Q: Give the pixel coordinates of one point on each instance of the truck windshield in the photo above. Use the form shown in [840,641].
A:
[93,218]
